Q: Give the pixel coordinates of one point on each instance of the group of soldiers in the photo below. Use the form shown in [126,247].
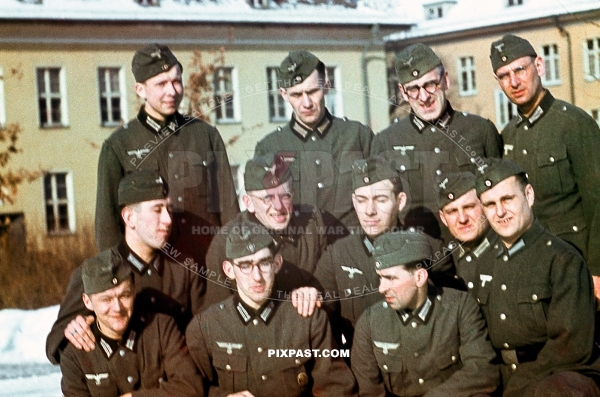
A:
[447,259]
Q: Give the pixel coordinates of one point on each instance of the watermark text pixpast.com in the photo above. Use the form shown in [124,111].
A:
[316,353]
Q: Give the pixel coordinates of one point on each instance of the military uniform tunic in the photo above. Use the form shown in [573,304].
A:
[422,151]
[300,245]
[151,360]
[163,286]
[188,153]
[349,283]
[236,348]
[539,308]
[321,161]
[558,147]
[440,349]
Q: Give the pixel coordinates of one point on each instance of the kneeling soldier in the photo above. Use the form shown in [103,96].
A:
[139,354]
[237,343]
[423,340]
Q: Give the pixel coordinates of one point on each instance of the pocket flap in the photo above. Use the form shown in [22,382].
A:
[533,293]
[229,362]
[551,156]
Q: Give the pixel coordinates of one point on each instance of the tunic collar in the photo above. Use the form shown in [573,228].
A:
[303,132]
[110,346]
[421,315]
[164,127]
[526,240]
[539,111]
[137,263]
[248,314]
[442,122]
[480,247]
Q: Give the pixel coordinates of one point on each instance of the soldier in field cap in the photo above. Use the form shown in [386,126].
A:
[234,342]
[461,212]
[161,281]
[422,340]
[536,295]
[139,352]
[322,147]
[189,154]
[557,144]
[425,143]
[301,232]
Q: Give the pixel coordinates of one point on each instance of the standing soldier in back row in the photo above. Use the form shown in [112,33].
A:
[557,144]
[434,138]
[188,153]
[324,147]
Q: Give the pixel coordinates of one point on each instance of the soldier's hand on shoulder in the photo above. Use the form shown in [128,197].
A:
[79,333]
[126,395]
[244,393]
[305,299]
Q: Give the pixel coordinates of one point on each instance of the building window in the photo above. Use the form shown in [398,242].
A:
[58,199]
[226,101]
[2,100]
[112,96]
[52,97]
[333,99]
[511,3]
[552,64]
[591,59]
[259,3]
[466,76]
[279,110]
[438,9]
[505,109]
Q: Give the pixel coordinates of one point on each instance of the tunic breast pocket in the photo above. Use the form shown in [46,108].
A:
[392,369]
[232,371]
[446,363]
[533,303]
[554,172]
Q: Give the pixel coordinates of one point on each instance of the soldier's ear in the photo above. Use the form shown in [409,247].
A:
[278,260]
[126,215]
[248,203]
[284,94]
[443,218]
[530,195]
[140,90]
[401,198]
[402,92]
[228,269]
[421,276]
[87,301]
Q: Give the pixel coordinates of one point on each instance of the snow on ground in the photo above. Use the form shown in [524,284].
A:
[24,369]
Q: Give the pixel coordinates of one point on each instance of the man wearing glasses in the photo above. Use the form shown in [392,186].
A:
[248,344]
[557,144]
[300,232]
[434,138]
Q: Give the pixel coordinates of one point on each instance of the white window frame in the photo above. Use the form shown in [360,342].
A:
[236,96]
[62,94]
[469,70]
[552,65]
[334,95]
[121,95]
[505,109]
[56,201]
[591,75]
[2,100]
[277,99]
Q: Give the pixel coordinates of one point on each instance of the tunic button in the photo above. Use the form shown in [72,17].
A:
[260,349]
[320,185]
[171,155]
[121,353]
[385,304]
[204,163]
[525,128]
[180,199]
[149,272]
[432,129]
[513,367]
[153,299]
[402,168]
[264,377]
[348,291]
[506,345]
[439,297]
[416,354]
[534,297]
[468,258]
[182,309]
[575,228]
[385,367]
[421,381]
[453,358]
[439,172]
[130,379]
[502,316]
[456,277]
[297,362]
[524,151]
[478,300]
[473,159]
[413,324]
[228,367]
[318,162]
[564,108]
[255,322]
[437,150]
[551,159]
[470,285]
[549,243]
[505,258]
[503,287]
[314,138]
